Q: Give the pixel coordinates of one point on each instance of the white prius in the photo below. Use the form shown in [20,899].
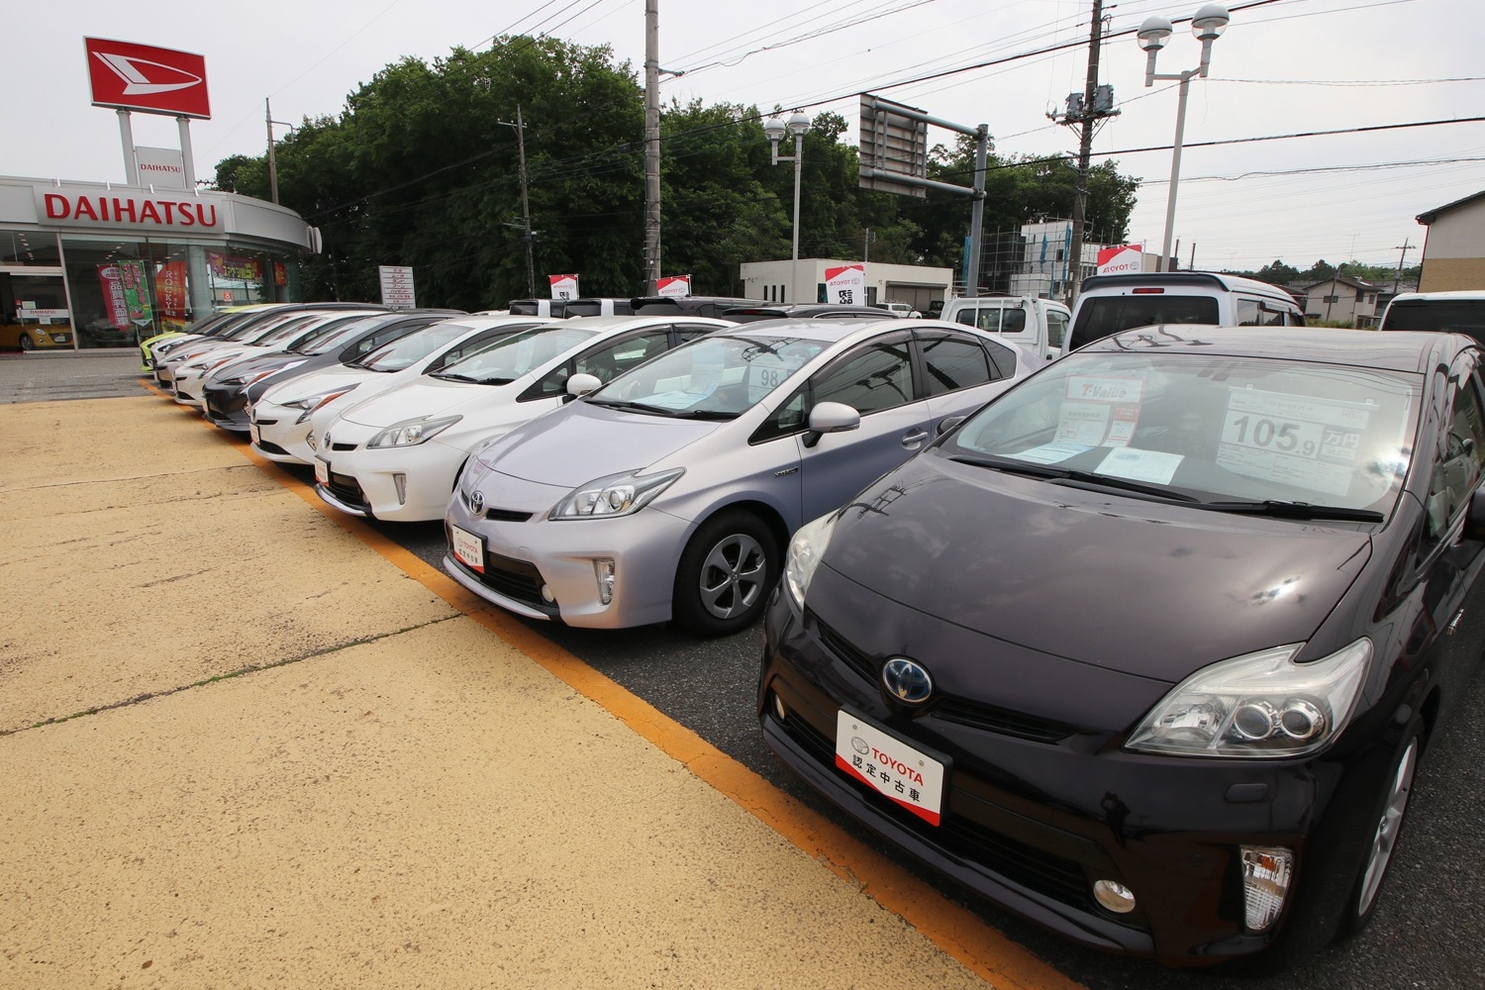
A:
[396,455]
[280,423]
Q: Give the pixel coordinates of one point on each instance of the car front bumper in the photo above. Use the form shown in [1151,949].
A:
[1032,823]
[546,570]
[278,435]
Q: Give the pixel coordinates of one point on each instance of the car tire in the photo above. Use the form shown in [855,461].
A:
[26,343]
[725,574]
[1389,814]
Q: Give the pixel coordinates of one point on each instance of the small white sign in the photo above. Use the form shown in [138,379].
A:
[563,286]
[397,287]
[674,285]
[162,168]
[846,285]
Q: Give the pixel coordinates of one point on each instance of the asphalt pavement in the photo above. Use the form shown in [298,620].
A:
[1427,931]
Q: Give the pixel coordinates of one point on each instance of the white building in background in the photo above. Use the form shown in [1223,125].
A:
[919,287]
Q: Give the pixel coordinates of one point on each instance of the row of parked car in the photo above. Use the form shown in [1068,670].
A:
[471,418]
[1146,649]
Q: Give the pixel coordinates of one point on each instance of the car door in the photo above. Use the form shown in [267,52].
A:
[876,379]
[1452,568]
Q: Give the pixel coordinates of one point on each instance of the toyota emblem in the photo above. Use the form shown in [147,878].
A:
[907,681]
[477,503]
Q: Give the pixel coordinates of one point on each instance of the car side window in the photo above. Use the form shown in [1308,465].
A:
[686,331]
[1247,313]
[871,378]
[474,344]
[1457,458]
[1056,329]
[953,362]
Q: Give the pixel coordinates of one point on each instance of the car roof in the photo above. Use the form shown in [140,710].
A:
[834,330]
[1213,280]
[626,322]
[1400,350]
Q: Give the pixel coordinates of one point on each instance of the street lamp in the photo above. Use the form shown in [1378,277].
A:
[272,158]
[1208,24]
[774,129]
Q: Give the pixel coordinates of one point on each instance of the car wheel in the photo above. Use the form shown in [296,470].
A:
[725,574]
[26,343]
[1388,816]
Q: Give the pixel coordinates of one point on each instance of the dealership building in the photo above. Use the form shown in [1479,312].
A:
[101,264]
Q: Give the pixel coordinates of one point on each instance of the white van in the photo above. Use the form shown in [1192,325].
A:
[1108,304]
[1039,325]
[1459,311]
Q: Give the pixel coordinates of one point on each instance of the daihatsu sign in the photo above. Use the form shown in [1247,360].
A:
[127,76]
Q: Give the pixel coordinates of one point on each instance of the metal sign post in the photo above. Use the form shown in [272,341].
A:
[894,159]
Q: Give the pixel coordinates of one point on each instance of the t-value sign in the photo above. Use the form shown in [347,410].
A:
[127,76]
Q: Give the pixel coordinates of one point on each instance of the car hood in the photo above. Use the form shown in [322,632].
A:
[580,442]
[425,396]
[1145,588]
[326,380]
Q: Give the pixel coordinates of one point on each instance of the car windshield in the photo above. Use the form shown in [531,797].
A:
[407,351]
[1213,429]
[715,375]
[518,354]
[337,335]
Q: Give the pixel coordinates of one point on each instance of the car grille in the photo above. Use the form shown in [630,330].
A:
[348,490]
[507,515]
[1035,869]
[518,580]
[963,711]
[342,446]
[270,447]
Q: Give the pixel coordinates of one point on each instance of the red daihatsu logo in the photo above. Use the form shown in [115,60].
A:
[141,77]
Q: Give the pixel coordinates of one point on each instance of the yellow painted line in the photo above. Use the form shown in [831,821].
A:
[953,929]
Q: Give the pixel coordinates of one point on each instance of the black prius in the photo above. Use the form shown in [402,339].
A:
[1148,649]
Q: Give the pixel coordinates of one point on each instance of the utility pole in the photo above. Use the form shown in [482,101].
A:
[1402,259]
[527,235]
[652,147]
[1085,110]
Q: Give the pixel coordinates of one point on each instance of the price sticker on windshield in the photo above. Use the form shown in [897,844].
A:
[1293,439]
[765,373]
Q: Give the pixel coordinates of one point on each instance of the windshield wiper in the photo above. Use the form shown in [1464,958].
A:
[455,378]
[717,414]
[1284,509]
[636,406]
[1058,475]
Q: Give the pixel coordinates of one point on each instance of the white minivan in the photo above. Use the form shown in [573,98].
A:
[1108,304]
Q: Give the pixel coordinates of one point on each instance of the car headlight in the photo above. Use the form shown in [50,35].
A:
[312,402]
[1259,706]
[412,431]
[616,495]
[806,551]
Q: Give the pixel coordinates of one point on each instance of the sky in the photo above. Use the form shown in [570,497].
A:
[1283,67]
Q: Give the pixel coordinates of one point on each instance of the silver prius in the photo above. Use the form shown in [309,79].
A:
[671,491]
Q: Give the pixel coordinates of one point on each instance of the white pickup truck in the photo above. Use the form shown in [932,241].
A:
[1039,325]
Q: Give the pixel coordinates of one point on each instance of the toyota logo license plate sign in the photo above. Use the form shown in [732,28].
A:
[127,76]
[886,764]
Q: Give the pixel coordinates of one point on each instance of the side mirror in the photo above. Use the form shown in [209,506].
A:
[581,384]
[830,417]
[948,423]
